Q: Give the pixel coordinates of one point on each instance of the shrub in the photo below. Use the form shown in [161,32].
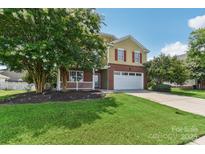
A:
[151,84]
[161,87]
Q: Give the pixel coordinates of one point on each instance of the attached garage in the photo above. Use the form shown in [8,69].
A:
[128,80]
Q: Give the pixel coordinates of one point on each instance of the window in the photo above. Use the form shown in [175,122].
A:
[117,73]
[137,57]
[131,74]
[76,75]
[124,73]
[120,55]
[138,74]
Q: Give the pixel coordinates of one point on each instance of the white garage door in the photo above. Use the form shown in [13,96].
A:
[128,80]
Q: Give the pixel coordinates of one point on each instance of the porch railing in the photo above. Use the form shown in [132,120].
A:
[77,85]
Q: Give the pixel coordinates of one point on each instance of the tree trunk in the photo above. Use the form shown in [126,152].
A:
[40,85]
[39,80]
[64,78]
[39,77]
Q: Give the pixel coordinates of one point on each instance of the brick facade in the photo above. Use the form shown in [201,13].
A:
[106,77]
[88,76]
[127,68]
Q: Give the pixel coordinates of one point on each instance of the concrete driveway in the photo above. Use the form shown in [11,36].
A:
[189,104]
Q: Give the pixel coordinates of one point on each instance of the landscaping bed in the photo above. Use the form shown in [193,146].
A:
[32,97]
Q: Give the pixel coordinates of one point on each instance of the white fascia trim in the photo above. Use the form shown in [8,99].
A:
[120,49]
[137,51]
[110,44]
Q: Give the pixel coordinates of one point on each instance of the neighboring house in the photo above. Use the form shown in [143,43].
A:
[3,78]
[12,76]
[13,80]
[123,67]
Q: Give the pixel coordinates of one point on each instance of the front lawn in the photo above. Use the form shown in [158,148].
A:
[189,92]
[116,119]
[9,93]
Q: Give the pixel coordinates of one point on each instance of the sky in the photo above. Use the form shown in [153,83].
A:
[160,30]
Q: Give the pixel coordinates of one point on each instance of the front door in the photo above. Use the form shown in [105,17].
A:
[97,80]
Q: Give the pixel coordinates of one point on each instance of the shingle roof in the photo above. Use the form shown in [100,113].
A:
[3,77]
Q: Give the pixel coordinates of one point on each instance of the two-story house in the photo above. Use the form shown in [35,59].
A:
[123,69]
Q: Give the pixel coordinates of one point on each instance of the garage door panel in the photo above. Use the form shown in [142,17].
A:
[127,81]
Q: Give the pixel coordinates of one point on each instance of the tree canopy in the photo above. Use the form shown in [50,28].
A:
[196,54]
[166,69]
[41,40]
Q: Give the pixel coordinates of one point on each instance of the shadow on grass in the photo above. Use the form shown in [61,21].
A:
[183,93]
[38,119]
[198,93]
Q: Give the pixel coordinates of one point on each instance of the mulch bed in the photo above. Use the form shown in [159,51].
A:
[32,97]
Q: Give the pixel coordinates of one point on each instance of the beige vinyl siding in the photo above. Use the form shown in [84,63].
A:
[129,46]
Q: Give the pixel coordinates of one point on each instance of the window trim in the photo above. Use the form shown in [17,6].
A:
[123,50]
[138,52]
[76,75]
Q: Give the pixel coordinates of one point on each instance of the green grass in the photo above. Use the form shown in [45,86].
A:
[9,93]
[116,119]
[189,92]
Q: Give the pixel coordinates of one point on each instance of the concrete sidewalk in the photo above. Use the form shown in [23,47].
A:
[199,141]
[185,103]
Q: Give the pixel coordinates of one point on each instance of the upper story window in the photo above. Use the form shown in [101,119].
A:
[120,54]
[137,57]
[76,76]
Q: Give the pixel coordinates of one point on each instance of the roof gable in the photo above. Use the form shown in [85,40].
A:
[110,36]
[131,38]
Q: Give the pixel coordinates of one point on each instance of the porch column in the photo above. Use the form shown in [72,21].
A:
[58,88]
[93,81]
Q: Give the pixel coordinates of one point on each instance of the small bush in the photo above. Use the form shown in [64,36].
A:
[161,87]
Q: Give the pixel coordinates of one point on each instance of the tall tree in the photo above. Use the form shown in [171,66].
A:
[196,54]
[157,68]
[166,69]
[178,72]
[41,40]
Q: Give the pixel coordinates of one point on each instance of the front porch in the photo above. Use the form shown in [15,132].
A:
[79,80]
